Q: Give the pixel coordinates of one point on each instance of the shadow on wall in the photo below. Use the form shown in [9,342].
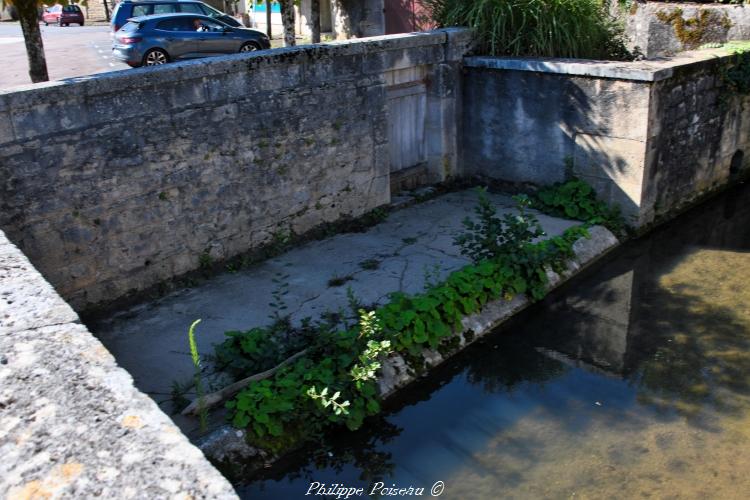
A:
[528,127]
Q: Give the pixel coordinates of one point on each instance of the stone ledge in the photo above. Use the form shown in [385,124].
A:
[642,71]
[73,424]
[133,79]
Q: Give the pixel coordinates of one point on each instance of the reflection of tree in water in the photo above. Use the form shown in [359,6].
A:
[505,361]
[695,336]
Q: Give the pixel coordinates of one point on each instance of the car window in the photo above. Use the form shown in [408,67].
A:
[55,8]
[71,8]
[165,8]
[130,26]
[212,25]
[192,8]
[142,10]
[181,24]
[210,11]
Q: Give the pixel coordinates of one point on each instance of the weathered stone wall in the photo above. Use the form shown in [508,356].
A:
[649,29]
[73,425]
[115,182]
[699,137]
[649,136]
[527,126]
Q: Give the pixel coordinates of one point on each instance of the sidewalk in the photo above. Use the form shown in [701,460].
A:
[412,244]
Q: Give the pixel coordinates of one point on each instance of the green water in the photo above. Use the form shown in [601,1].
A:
[633,381]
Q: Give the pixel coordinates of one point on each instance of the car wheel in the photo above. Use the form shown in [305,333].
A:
[81,23]
[249,47]
[155,57]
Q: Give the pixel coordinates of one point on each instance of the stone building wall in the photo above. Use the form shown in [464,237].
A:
[116,182]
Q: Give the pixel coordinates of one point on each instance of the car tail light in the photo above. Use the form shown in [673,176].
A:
[130,39]
[116,28]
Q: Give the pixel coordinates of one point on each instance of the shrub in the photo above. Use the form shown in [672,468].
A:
[537,28]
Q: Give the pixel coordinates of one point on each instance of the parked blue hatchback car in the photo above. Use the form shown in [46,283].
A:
[125,9]
[159,39]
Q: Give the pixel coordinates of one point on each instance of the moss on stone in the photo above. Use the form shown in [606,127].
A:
[696,30]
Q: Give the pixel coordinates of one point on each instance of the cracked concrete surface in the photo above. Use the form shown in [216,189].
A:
[150,341]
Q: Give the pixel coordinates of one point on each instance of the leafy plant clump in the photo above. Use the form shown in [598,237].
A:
[536,28]
[491,236]
[334,382]
[737,74]
[575,199]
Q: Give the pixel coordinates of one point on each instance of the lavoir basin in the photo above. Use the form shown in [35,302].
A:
[631,381]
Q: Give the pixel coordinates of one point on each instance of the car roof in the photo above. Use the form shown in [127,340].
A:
[141,19]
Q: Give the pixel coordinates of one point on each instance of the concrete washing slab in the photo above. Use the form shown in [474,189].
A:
[150,341]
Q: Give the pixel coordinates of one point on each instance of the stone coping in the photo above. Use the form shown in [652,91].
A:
[73,425]
[96,84]
[643,71]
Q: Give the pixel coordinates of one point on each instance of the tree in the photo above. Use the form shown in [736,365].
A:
[28,14]
[269,32]
[287,19]
[315,20]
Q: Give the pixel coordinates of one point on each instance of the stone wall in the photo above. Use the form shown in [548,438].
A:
[653,27]
[699,137]
[73,425]
[649,136]
[112,183]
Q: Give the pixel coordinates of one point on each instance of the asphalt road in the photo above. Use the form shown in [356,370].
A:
[70,51]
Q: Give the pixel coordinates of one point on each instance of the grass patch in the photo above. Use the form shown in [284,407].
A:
[537,28]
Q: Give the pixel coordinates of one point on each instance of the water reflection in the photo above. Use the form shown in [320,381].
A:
[633,381]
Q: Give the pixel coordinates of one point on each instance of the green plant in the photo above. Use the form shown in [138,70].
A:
[736,75]
[338,408]
[278,304]
[575,199]
[178,395]
[431,276]
[491,236]
[339,280]
[195,356]
[539,28]
[370,264]
[289,406]
[205,261]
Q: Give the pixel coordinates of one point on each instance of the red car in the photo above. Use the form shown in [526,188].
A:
[63,15]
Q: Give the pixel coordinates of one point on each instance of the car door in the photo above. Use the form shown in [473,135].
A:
[179,39]
[216,40]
